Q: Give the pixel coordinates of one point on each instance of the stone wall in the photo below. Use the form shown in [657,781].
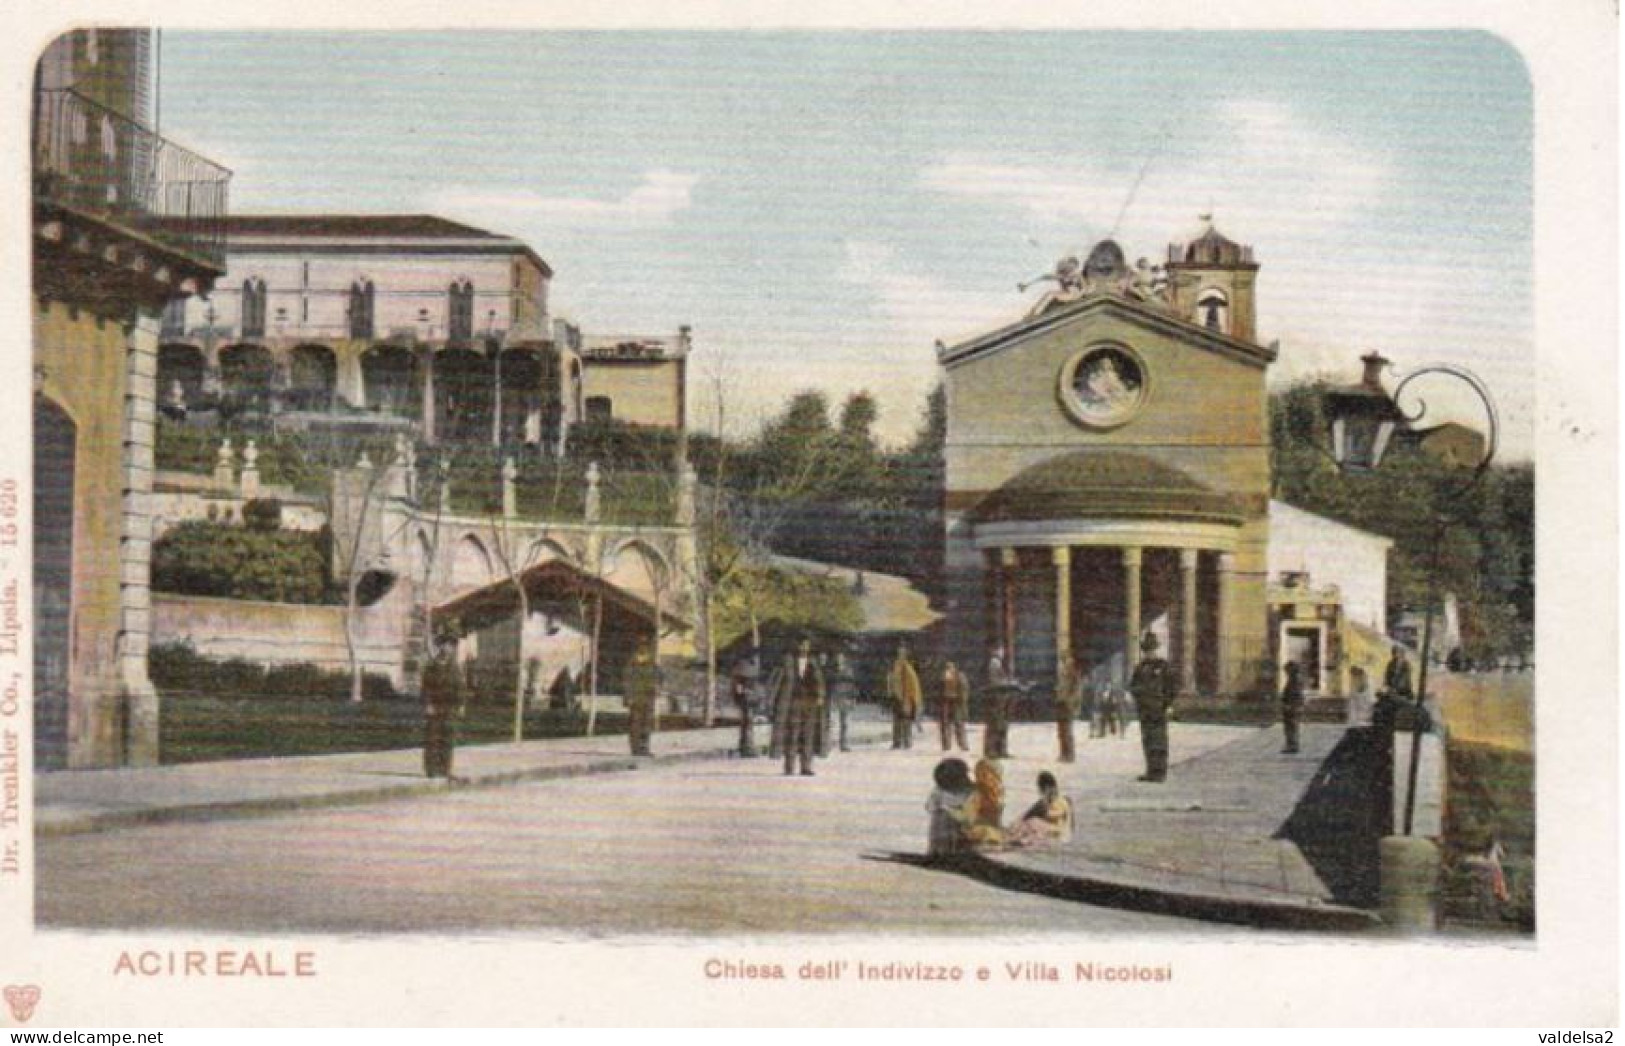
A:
[284,633]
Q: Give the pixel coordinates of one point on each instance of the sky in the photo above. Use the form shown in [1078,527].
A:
[823,207]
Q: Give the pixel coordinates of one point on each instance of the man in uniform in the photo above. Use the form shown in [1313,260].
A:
[801,694]
[443,697]
[639,684]
[953,705]
[1291,706]
[746,677]
[1153,687]
[903,689]
[1068,700]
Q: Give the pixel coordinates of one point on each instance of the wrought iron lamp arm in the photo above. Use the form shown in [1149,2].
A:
[1482,391]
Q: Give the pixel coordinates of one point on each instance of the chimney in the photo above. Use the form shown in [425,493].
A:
[1375,364]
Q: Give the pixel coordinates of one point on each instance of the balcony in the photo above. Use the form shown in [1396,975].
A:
[93,163]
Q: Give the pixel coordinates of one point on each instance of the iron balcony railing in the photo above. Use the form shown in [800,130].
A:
[99,162]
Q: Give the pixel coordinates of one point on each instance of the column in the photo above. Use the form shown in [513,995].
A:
[428,396]
[1221,623]
[496,399]
[1131,608]
[1007,630]
[1187,620]
[1063,609]
[138,716]
[993,587]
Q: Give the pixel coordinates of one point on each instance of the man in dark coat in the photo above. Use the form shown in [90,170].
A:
[1002,689]
[747,677]
[1153,687]
[1291,706]
[1396,678]
[443,696]
[801,695]
[639,685]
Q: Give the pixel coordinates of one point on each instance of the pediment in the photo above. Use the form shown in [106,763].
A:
[1153,320]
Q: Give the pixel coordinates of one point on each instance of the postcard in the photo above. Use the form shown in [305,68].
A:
[812,516]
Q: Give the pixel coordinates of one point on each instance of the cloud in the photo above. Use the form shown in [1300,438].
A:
[912,309]
[653,203]
[1242,158]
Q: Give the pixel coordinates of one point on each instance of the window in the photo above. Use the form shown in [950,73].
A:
[360,310]
[460,311]
[600,408]
[254,308]
[1213,311]
[174,321]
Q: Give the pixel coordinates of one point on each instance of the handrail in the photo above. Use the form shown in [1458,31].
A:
[97,161]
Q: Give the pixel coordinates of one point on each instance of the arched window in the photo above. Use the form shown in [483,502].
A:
[1213,310]
[360,310]
[253,308]
[460,311]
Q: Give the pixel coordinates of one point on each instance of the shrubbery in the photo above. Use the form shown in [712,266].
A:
[198,558]
[176,668]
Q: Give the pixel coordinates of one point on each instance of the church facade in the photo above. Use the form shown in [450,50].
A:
[1107,474]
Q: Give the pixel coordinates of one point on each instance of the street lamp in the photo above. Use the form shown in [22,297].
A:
[1363,419]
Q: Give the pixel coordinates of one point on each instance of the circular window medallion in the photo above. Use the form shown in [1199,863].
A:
[1103,386]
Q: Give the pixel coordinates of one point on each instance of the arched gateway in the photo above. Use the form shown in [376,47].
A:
[1108,474]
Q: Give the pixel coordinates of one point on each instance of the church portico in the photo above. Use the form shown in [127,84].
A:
[1090,588]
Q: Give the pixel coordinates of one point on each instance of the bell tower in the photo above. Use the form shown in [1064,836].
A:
[1212,281]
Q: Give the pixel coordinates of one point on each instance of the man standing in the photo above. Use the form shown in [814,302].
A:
[443,696]
[1396,678]
[746,677]
[953,706]
[1001,690]
[1068,700]
[903,688]
[1291,706]
[639,685]
[1152,688]
[801,694]
[843,694]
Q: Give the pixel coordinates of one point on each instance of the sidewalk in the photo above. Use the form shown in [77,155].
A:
[1207,843]
[73,801]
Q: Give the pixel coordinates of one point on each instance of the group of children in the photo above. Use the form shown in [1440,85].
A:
[967,811]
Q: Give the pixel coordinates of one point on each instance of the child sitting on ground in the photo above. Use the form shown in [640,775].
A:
[1046,822]
[946,807]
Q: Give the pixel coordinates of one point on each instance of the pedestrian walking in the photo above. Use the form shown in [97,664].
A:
[843,695]
[801,694]
[1291,706]
[1152,687]
[638,685]
[444,692]
[953,707]
[903,689]
[1068,700]
[746,680]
